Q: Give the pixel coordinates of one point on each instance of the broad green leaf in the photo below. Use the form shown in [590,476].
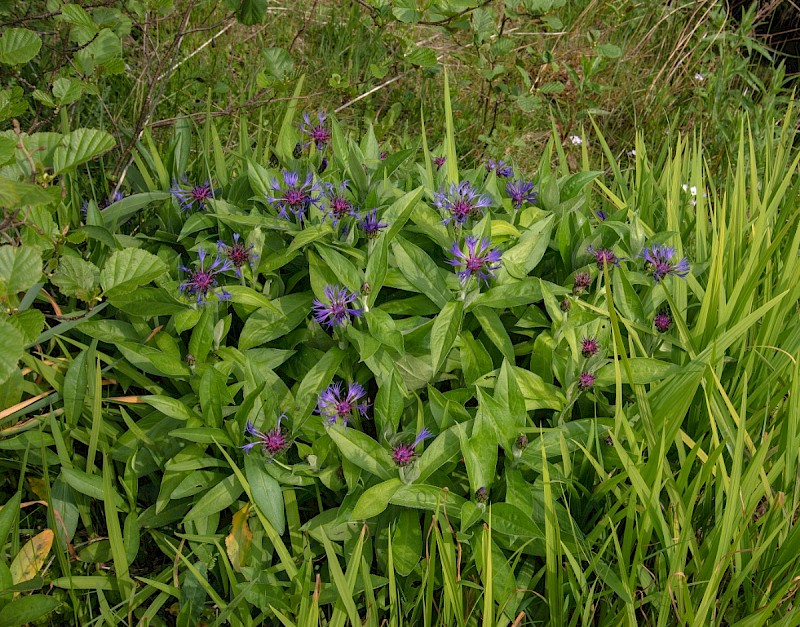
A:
[266,325]
[77,277]
[19,45]
[375,500]
[20,269]
[148,301]
[642,370]
[251,12]
[575,183]
[363,451]
[445,331]
[420,271]
[118,212]
[218,498]
[128,269]
[8,514]
[80,146]
[510,520]
[265,489]
[10,349]
[28,609]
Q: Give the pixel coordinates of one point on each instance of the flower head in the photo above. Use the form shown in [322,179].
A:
[581,282]
[202,280]
[404,454]
[439,161]
[604,256]
[293,196]
[273,442]
[461,202]
[337,312]
[662,322]
[370,224]
[191,196]
[500,168]
[631,153]
[658,260]
[699,77]
[238,254]
[339,206]
[575,140]
[477,260]
[589,346]
[334,405]
[318,133]
[601,215]
[586,380]
[521,192]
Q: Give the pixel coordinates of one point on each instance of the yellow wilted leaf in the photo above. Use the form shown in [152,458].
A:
[238,540]
[37,487]
[31,556]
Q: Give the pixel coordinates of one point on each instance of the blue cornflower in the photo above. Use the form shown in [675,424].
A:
[477,260]
[239,254]
[658,260]
[202,281]
[461,202]
[274,442]
[370,224]
[339,206]
[189,195]
[501,169]
[292,196]
[601,215]
[404,454]
[521,192]
[604,256]
[333,405]
[318,133]
[337,312]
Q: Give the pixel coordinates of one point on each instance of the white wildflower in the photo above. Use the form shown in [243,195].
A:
[576,141]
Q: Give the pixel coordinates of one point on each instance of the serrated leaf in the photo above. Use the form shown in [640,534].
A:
[19,45]
[20,269]
[67,90]
[128,269]
[80,146]
[77,277]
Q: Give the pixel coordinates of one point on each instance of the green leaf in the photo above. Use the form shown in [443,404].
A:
[77,277]
[148,301]
[29,322]
[128,269]
[520,259]
[423,57]
[444,332]
[406,542]
[575,183]
[84,27]
[67,90]
[265,489]
[220,497]
[80,146]
[251,12]
[265,325]
[121,210]
[363,451]
[20,269]
[510,520]
[8,514]
[375,500]
[19,45]
[642,370]
[27,609]
[10,349]
[420,271]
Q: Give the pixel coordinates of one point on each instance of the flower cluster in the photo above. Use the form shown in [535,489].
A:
[477,259]
[461,202]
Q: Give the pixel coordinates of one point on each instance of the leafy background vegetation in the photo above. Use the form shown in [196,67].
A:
[662,489]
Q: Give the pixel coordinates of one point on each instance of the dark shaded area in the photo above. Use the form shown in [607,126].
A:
[778,24]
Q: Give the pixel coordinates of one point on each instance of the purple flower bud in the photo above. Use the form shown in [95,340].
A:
[404,454]
[586,380]
[589,346]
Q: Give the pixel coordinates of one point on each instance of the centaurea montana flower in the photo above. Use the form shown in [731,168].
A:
[658,260]
[337,312]
[339,206]
[589,346]
[500,168]
[662,321]
[371,225]
[318,133]
[273,442]
[439,161]
[239,254]
[202,280]
[461,202]
[521,192]
[293,196]
[403,454]
[586,380]
[335,405]
[479,259]
[190,196]
[604,256]
[601,215]
[581,282]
